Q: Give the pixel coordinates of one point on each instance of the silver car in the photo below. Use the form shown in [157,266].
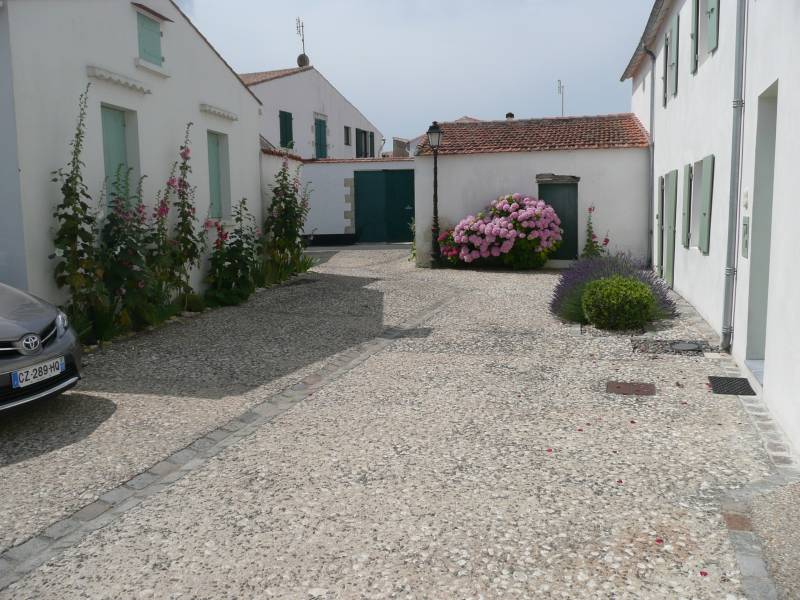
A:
[40,354]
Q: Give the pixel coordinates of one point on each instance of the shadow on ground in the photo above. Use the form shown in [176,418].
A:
[235,349]
[39,428]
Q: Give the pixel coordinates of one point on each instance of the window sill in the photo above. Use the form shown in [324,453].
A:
[148,66]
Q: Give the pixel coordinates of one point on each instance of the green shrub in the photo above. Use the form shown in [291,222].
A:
[618,303]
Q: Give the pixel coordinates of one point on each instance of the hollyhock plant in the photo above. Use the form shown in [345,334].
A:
[516,231]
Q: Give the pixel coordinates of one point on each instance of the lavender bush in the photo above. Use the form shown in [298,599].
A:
[567,295]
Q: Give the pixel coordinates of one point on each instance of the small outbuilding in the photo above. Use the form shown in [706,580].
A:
[573,163]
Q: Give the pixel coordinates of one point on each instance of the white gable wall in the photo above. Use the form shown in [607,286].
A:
[304,94]
[50,72]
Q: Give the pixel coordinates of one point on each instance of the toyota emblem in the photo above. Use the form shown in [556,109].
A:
[30,344]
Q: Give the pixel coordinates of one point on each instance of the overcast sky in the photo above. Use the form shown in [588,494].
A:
[404,63]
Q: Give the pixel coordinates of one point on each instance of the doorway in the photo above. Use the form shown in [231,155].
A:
[562,195]
[761,229]
[384,205]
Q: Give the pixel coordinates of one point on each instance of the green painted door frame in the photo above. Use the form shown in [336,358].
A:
[214,176]
[384,205]
[563,197]
[670,213]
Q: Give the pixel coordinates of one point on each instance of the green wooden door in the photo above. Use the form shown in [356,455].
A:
[115,153]
[370,206]
[399,205]
[670,211]
[320,138]
[214,176]
[563,197]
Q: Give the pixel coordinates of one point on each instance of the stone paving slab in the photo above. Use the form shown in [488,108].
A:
[432,464]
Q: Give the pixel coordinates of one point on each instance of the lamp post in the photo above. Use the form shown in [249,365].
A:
[434,139]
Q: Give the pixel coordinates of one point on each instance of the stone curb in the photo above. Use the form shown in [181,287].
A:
[736,504]
[18,561]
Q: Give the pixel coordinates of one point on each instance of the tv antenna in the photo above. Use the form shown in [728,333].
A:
[301,31]
[561,92]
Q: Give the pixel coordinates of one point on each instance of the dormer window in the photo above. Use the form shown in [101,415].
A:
[148,23]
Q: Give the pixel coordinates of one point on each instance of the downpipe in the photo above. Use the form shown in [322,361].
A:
[735,181]
[651,181]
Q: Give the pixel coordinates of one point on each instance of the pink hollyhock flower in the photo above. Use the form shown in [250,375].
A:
[605,241]
[186,152]
[591,209]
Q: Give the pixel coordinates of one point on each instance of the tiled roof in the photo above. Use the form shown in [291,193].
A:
[359,160]
[262,76]
[268,147]
[537,135]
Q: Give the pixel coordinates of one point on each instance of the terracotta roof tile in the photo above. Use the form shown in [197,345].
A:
[262,76]
[537,135]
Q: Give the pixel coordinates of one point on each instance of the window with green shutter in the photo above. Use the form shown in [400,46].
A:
[361,143]
[320,138]
[712,25]
[347,140]
[674,35]
[665,71]
[285,123]
[372,144]
[115,147]
[706,196]
[149,39]
[218,175]
[695,41]
[687,205]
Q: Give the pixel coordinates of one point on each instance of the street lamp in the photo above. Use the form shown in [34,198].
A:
[434,139]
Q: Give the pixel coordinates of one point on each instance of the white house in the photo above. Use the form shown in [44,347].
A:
[305,113]
[571,162]
[151,72]
[716,83]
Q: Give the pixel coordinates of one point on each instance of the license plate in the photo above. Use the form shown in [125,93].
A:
[38,372]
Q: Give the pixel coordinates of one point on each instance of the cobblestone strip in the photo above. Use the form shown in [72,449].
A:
[20,560]
[756,580]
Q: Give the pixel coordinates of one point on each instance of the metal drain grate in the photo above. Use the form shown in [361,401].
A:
[735,386]
[630,388]
[686,347]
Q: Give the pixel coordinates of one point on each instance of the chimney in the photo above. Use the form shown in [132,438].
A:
[509,115]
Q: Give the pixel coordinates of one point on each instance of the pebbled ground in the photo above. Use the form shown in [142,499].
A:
[477,456]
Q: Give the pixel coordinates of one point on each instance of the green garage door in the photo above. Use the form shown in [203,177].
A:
[384,205]
[563,197]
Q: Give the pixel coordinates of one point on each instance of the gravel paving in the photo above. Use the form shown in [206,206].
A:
[477,455]
[776,519]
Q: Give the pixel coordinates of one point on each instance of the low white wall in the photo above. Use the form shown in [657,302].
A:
[271,164]
[614,181]
[332,208]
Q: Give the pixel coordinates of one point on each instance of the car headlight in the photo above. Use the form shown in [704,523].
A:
[62,323]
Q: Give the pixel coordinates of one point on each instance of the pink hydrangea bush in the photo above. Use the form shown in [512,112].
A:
[515,231]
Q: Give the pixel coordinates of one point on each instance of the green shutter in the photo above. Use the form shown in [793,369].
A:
[149,39]
[674,34]
[321,138]
[706,195]
[695,13]
[372,144]
[115,153]
[665,76]
[359,143]
[687,205]
[214,176]
[670,209]
[660,227]
[712,25]
[286,134]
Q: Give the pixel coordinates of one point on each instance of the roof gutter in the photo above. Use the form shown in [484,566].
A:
[735,182]
[651,180]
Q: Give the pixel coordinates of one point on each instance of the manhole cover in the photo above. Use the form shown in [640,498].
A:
[630,388]
[686,347]
[734,386]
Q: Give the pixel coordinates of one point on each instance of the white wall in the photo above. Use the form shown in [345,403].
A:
[772,48]
[271,164]
[12,236]
[303,95]
[614,181]
[50,72]
[694,124]
[329,203]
